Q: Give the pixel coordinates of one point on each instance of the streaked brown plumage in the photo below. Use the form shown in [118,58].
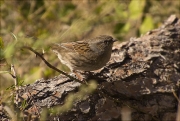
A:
[88,55]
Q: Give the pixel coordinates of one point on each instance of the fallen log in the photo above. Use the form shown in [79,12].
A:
[142,80]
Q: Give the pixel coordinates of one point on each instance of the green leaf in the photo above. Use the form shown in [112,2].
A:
[1,49]
[146,25]
[9,51]
[1,43]
[24,104]
[136,8]
[3,72]
[126,27]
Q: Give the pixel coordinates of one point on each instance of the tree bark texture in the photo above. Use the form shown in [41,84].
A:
[141,80]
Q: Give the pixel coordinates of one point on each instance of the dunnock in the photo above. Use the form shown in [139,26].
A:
[88,55]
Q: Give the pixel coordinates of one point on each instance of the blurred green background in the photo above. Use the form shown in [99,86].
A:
[39,23]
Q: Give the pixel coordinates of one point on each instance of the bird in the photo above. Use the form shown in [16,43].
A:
[86,55]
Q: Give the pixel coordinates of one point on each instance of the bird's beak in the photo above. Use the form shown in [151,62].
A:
[114,40]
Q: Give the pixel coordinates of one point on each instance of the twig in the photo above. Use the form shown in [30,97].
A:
[176,96]
[16,87]
[14,76]
[49,65]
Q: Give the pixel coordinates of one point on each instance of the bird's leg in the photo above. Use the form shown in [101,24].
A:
[79,76]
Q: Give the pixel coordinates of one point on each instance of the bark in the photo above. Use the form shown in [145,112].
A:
[140,80]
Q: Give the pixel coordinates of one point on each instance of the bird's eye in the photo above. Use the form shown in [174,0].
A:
[106,42]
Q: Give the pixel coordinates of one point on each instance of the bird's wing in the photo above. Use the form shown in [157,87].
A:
[80,47]
[62,47]
[68,46]
[83,49]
